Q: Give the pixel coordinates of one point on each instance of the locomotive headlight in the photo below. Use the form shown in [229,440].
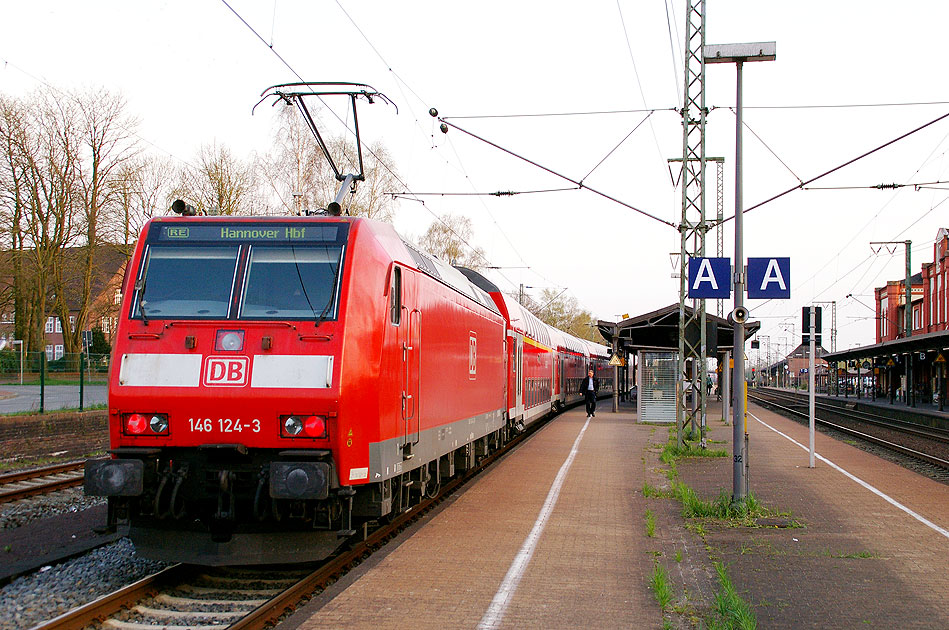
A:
[158,423]
[292,425]
[146,424]
[229,340]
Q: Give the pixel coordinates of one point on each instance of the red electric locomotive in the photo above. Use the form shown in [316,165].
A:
[266,369]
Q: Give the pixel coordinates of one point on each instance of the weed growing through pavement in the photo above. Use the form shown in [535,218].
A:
[650,491]
[731,610]
[678,555]
[650,524]
[661,588]
[857,554]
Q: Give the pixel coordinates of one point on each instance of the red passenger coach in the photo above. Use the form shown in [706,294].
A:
[546,365]
[279,380]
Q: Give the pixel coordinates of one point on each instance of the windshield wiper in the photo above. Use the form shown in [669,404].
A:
[332,300]
[140,298]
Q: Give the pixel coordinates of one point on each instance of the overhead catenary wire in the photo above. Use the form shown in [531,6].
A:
[639,83]
[561,176]
[499,193]
[837,168]
[601,112]
[768,147]
[894,186]
[613,150]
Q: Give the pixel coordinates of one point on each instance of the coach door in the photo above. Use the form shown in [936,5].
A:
[409,326]
[518,375]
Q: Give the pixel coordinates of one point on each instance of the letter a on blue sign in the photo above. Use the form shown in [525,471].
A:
[709,278]
[769,278]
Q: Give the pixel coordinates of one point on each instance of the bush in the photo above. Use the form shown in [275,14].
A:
[9,361]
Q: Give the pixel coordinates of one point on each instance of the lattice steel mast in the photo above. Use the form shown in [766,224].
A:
[692,227]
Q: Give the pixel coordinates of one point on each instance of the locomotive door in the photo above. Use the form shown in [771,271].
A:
[409,339]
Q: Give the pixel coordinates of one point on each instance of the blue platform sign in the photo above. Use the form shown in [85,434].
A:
[769,278]
[710,278]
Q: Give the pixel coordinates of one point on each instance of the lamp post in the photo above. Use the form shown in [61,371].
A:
[739,54]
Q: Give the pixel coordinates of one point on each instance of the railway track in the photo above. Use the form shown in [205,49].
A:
[826,414]
[28,483]
[245,598]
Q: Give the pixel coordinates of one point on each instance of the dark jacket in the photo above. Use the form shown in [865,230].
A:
[585,384]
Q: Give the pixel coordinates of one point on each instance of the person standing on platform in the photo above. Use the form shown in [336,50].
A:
[590,386]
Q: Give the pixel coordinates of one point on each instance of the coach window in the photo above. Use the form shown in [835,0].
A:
[395,297]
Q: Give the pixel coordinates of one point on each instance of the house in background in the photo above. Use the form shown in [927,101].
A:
[108,271]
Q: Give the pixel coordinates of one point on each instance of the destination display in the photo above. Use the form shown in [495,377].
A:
[247,232]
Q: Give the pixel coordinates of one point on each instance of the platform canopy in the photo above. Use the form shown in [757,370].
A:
[926,342]
[659,330]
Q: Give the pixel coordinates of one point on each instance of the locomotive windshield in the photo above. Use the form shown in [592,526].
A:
[171,287]
[290,282]
[240,271]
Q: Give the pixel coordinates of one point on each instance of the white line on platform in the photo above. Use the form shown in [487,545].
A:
[495,613]
[863,483]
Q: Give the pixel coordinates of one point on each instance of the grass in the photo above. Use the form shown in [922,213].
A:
[661,589]
[38,462]
[54,381]
[857,554]
[650,524]
[35,412]
[732,612]
[650,491]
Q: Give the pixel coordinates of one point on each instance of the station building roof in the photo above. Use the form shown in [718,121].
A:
[659,330]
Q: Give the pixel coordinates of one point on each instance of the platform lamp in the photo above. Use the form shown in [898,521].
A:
[739,54]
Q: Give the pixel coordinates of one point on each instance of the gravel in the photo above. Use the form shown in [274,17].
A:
[25,511]
[54,590]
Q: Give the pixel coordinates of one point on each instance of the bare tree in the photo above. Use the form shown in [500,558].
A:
[12,130]
[301,179]
[294,166]
[141,189]
[219,184]
[102,147]
[449,238]
[48,153]
[564,312]
[61,154]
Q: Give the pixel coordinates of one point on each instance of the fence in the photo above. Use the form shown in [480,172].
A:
[67,376]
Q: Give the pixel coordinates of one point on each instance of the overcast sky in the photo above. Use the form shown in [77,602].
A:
[848,78]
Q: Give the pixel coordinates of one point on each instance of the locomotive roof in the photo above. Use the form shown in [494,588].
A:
[446,274]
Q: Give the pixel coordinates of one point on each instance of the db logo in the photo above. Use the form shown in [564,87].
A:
[472,355]
[226,371]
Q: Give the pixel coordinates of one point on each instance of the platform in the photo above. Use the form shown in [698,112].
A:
[858,560]
[873,551]
[589,563]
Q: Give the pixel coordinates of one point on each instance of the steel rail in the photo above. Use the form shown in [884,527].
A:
[932,433]
[98,610]
[270,612]
[42,487]
[20,475]
[936,461]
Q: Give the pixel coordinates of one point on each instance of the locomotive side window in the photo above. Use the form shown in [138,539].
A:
[395,297]
[291,282]
[168,286]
